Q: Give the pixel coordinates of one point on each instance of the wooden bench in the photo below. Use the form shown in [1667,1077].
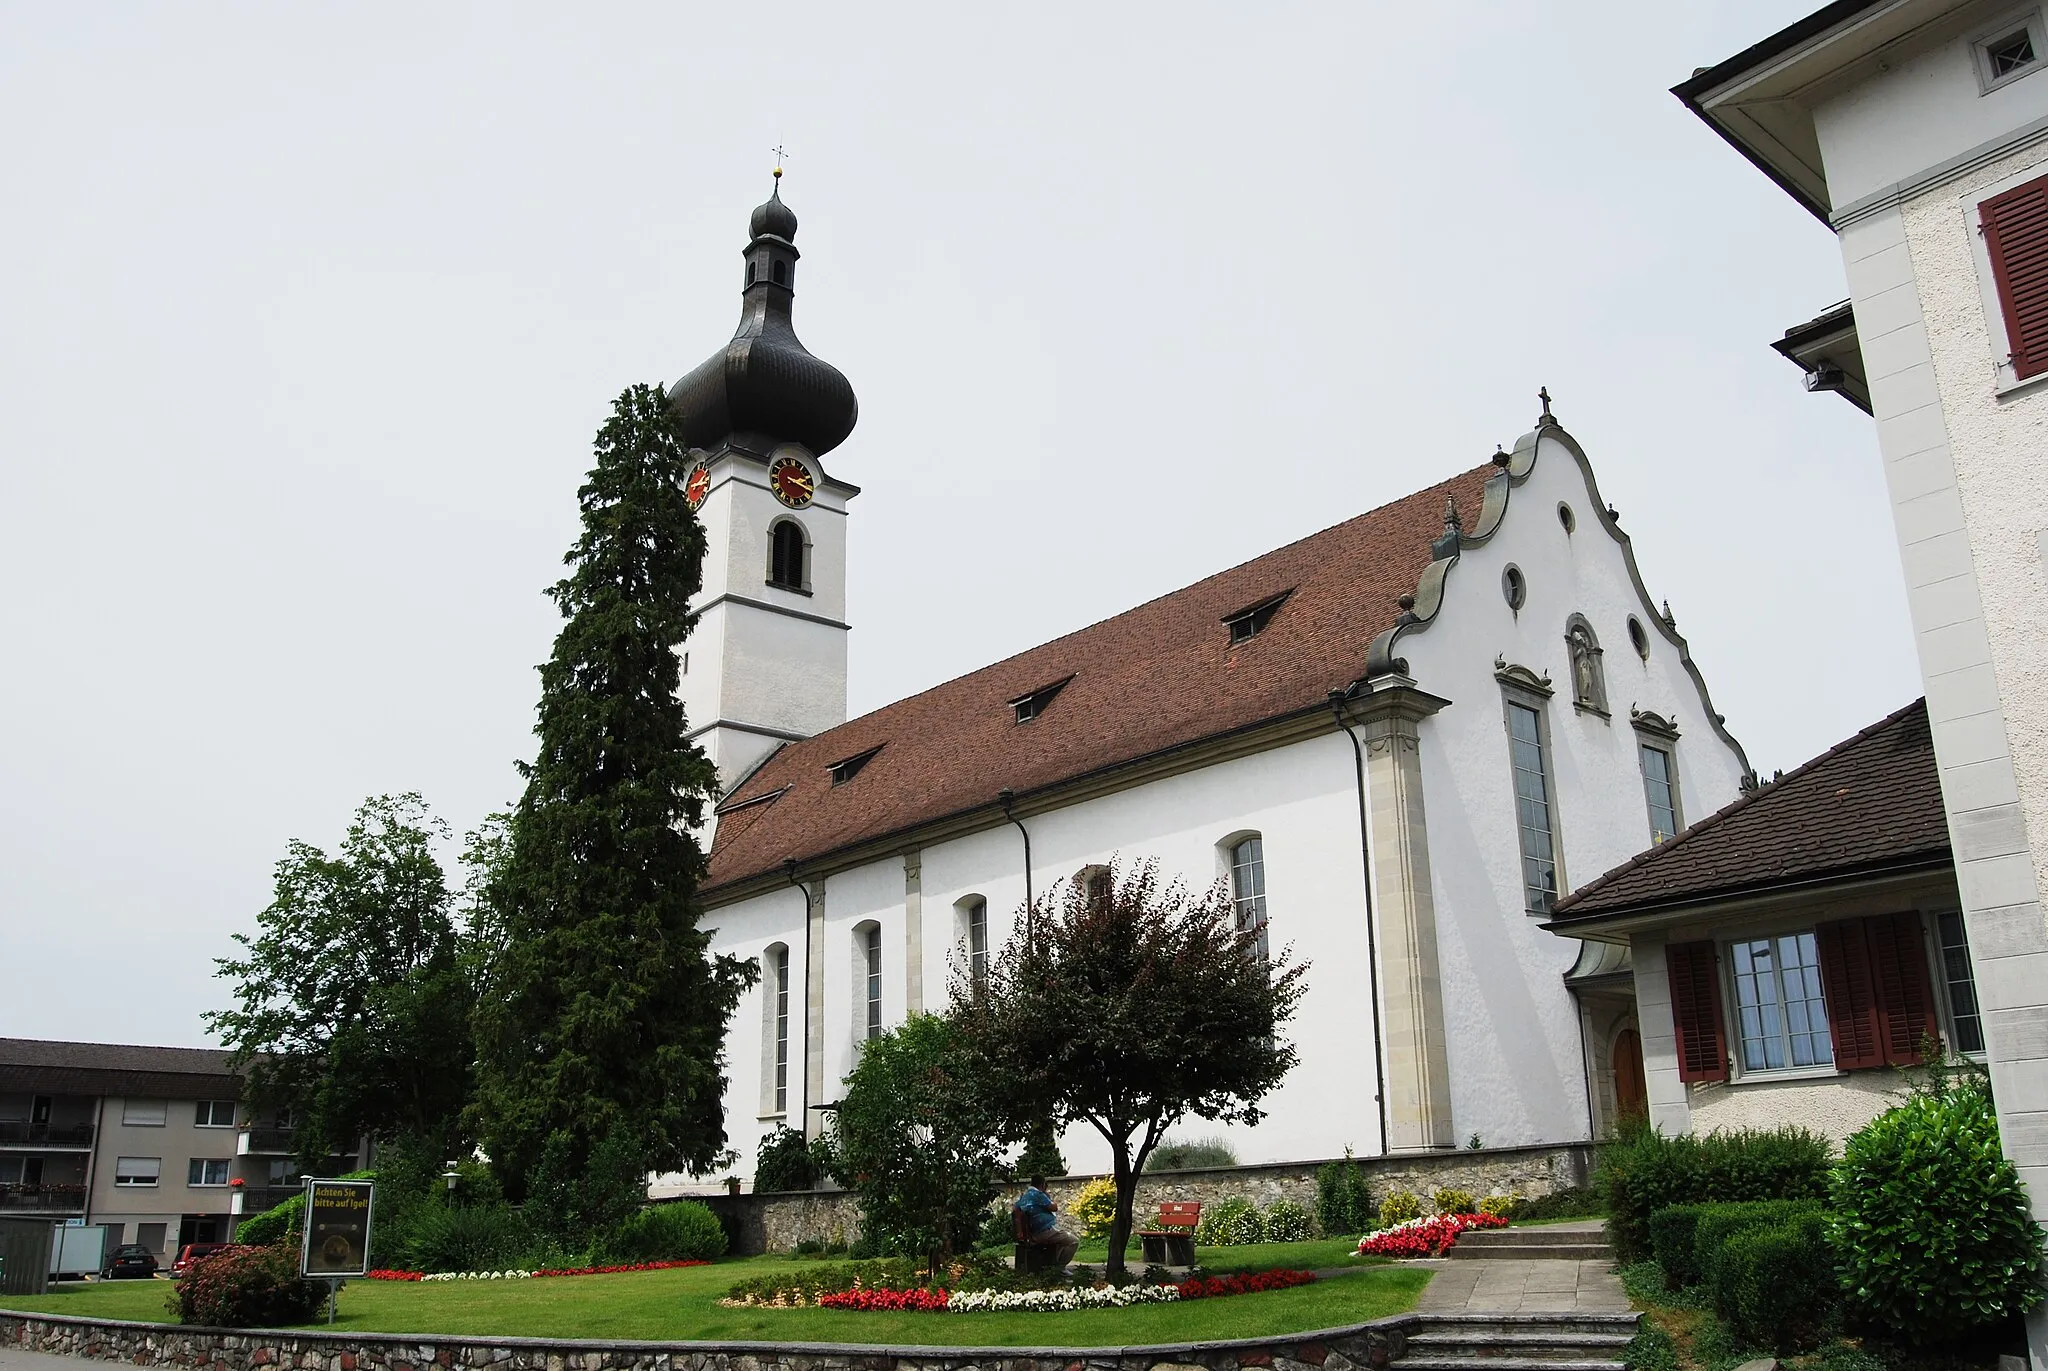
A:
[1171,1240]
[1031,1257]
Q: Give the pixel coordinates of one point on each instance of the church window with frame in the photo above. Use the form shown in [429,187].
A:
[1529,754]
[1247,623]
[1660,790]
[871,964]
[974,937]
[1248,890]
[775,1038]
[788,555]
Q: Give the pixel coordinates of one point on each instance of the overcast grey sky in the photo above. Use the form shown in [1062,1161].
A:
[307,317]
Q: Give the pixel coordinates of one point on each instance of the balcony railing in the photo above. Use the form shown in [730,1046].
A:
[22,1133]
[258,1199]
[267,1138]
[48,1199]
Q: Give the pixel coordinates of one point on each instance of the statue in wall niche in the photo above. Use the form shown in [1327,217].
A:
[1589,690]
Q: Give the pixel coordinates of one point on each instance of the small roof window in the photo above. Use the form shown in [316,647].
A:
[843,771]
[1250,621]
[1030,706]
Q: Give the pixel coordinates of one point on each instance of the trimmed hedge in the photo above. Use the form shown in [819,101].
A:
[1643,1171]
[1773,1282]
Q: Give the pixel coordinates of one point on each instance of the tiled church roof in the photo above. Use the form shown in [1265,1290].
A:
[1868,804]
[1151,679]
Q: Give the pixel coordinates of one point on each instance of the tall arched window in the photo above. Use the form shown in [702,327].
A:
[974,937]
[786,555]
[775,1029]
[1248,888]
[867,945]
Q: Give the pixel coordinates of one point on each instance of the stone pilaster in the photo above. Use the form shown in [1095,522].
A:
[1404,908]
[814,1007]
[913,932]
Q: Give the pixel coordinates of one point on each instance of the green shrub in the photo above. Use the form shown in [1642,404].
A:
[1716,1224]
[1674,1231]
[249,1287]
[1501,1206]
[1774,1283]
[1041,1154]
[1189,1154]
[1343,1199]
[1643,1171]
[1095,1208]
[1929,1220]
[1454,1202]
[1286,1221]
[784,1163]
[1227,1223]
[273,1225]
[1571,1203]
[1652,1349]
[484,1238]
[1399,1207]
[680,1231]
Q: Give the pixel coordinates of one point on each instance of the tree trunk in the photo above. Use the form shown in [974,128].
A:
[1126,1192]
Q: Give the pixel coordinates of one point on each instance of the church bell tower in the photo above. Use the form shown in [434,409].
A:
[767,662]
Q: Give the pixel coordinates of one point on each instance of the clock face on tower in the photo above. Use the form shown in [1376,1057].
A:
[792,482]
[697,487]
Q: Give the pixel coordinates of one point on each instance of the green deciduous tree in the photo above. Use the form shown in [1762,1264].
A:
[1131,1005]
[601,1023]
[353,1002]
[918,1139]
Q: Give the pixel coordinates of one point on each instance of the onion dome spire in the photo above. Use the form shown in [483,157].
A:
[764,388]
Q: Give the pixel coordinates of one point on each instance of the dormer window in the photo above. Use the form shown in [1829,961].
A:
[843,771]
[1030,706]
[1251,621]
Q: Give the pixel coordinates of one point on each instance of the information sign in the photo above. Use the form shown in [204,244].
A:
[337,1236]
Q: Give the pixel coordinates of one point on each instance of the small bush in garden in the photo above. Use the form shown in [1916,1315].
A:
[438,1238]
[1774,1285]
[1673,1232]
[1571,1203]
[249,1287]
[1717,1224]
[1230,1222]
[1500,1206]
[1930,1222]
[1286,1221]
[273,1225]
[1095,1208]
[682,1230]
[1398,1207]
[784,1163]
[1643,1171]
[1343,1199]
[1188,1154]
[1455,1202]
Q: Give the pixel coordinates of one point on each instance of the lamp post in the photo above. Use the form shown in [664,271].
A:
[449,1177]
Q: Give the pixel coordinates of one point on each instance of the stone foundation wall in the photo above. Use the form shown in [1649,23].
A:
[1356,1348]
[778,1222]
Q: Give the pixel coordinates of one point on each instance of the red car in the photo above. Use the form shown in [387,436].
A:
[193,1251]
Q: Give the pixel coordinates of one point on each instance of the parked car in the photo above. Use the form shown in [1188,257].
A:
[193,1251]
[130,1262]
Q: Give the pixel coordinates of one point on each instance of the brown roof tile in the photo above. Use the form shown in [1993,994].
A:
[116,1069]
[1151,679]
[1868,803]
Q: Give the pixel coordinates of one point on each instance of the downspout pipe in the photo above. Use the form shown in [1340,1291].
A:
[1338,699]
[1008,799]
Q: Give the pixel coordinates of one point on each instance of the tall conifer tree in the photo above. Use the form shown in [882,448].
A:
[601,1025]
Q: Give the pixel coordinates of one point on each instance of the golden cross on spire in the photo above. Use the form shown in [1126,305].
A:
[779,155]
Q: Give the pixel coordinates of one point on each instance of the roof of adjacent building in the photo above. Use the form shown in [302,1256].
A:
[1869,805]
[62,1068]
[1154,679]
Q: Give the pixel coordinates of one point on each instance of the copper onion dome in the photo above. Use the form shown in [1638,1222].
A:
[764,386]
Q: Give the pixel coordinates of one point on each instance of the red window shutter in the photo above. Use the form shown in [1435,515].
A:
[2015,228]
[1696,1011]
[1898,961]
[1854,1021]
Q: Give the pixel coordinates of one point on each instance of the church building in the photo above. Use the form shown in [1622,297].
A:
[1398,742]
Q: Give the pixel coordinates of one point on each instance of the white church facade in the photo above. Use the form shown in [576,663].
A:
[1398,741]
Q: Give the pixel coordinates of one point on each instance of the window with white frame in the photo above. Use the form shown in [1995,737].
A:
[775,1029]
[1660,790]
[137,1170]
[1248,889]
[144,1113]
[974,928]
[1781,1013]
[871,956]
[214,1114]
[1533,816]
[1966,1020]
[206,1171]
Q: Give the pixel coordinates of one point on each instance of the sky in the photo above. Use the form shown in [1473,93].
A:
[307,319]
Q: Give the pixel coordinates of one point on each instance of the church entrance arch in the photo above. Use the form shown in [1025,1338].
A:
[1631,1091]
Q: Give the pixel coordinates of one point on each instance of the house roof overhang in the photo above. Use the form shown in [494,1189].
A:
[1826,349]
[1761,100]
[1620,925]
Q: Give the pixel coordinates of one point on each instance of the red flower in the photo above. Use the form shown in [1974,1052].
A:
[1432,1237]
[395,1275]
[916,1300]
[1249,1283]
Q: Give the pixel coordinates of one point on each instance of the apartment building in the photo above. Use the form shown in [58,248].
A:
[152,1142]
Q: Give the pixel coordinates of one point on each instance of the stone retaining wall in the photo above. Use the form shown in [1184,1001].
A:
[778,1222]
[1356,1348]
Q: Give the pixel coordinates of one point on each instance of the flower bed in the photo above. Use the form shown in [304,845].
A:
[924,1301]
[935,1300]
[1429,1236]
[1213,1287]
[1058,1301]
[530,1275]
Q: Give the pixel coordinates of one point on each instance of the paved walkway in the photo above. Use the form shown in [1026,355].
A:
[1523,1287]
[12,1359]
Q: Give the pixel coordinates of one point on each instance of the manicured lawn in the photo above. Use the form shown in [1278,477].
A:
[683,1305]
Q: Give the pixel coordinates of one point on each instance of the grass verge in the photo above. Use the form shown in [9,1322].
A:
[682,1305]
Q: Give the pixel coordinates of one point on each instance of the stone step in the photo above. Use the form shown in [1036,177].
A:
[1534,1237]
[1523,1252]
[1517,1336]
[1543,1347]
[1622,1325]
[1506,1363]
